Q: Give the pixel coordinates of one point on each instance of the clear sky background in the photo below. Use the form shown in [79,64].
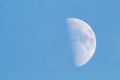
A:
[35,44]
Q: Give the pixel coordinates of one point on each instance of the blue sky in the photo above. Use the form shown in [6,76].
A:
[35,44]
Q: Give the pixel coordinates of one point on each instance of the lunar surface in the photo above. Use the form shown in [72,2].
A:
[83,40]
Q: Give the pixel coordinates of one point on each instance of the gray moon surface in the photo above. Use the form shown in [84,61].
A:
[83,40]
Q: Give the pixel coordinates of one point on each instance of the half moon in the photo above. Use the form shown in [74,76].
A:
[83,40]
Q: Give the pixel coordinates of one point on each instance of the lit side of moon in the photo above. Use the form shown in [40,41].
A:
[83,40]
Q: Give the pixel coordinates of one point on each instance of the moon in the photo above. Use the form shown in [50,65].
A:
[83,40]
